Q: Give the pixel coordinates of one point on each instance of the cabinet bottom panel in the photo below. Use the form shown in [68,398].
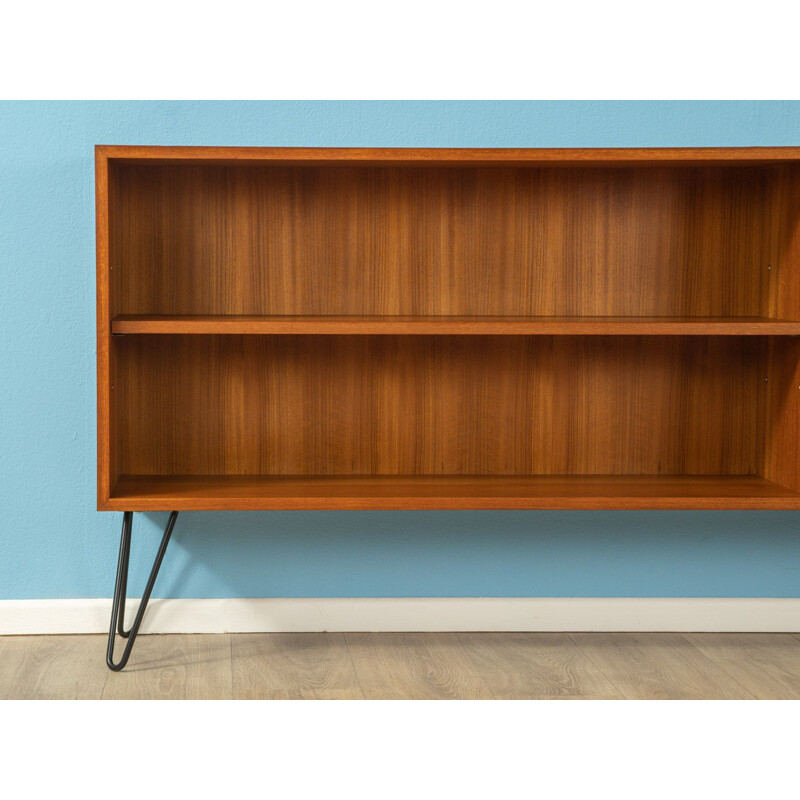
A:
[249,492]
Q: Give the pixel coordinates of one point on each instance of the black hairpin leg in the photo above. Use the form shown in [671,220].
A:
[121,587]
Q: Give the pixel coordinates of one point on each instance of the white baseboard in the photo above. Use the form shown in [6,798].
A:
[239,615]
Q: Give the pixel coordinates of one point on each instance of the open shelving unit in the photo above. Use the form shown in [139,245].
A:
[448,329]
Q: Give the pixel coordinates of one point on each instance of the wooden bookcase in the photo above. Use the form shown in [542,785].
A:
[448,329]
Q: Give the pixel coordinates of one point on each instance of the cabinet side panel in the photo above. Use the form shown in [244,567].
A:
[104,476]
[781,446]
[108,248]
[782,427]
[783,208]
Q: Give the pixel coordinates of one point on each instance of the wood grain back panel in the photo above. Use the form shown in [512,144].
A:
[625,241]
[461,405]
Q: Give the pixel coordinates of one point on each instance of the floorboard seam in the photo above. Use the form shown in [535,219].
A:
[353,665]
[720,667]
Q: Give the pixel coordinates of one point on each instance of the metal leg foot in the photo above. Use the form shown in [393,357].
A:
[121,588]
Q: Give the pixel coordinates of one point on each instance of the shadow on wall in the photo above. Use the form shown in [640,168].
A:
[471,554]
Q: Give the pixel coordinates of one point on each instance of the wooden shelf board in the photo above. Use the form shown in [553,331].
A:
[206,492]
[455,325]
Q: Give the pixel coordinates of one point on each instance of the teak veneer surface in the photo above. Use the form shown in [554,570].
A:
[460,405]
[432,241]
[204,492]
[473,156]
[442,326]
[596,328]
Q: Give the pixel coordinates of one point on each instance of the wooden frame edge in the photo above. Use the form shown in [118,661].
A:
[103,329]
[106,154]
[356,504]
[467,155]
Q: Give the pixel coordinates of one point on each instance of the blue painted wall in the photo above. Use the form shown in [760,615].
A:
[54,544]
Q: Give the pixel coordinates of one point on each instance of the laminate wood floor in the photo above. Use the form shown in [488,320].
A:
[408,666]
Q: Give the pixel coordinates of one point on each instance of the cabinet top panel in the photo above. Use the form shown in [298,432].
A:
[458,156]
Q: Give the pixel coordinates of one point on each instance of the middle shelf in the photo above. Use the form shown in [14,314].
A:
[454,325]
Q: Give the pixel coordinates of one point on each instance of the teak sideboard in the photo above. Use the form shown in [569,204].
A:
[297,328]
